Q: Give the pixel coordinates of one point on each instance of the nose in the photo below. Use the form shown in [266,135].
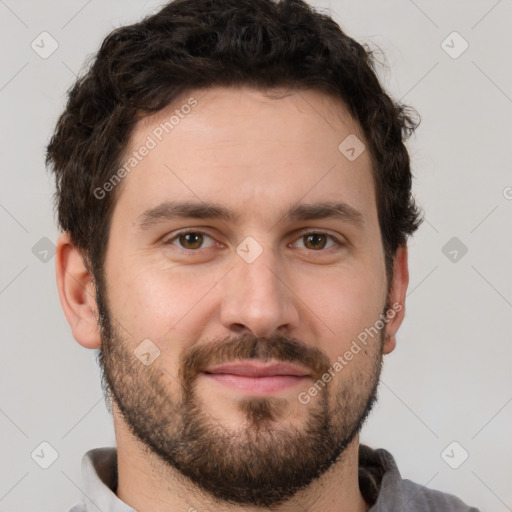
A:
[258,299]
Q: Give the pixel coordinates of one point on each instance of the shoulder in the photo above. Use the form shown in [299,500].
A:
[383,486]
[421,499]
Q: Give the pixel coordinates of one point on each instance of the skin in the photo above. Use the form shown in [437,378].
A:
[258,157]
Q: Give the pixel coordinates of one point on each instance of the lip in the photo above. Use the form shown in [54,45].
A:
[257,378]
[258,369]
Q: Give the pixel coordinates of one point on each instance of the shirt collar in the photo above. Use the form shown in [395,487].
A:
[99,475]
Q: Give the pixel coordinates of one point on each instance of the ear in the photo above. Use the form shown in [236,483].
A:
[396,298]
[77,293]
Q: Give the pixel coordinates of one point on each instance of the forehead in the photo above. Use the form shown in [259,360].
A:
[238,146]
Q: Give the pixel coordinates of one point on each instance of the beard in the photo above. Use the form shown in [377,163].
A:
[264,461]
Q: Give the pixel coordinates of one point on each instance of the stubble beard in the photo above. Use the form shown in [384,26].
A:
[263,461]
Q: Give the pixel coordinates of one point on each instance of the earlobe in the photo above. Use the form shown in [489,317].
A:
[396,298]
[77,293]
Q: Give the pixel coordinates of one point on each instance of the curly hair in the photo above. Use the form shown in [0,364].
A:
[190,44]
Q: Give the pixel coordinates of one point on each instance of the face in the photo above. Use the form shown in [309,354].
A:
[243,265]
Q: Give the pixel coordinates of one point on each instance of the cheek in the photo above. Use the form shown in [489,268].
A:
[157,302]
[345,304]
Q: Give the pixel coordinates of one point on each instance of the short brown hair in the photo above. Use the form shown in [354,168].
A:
[191,44]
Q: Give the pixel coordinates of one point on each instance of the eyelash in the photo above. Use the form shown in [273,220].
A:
[338,243]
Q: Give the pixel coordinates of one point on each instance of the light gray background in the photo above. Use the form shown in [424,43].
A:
[449,378]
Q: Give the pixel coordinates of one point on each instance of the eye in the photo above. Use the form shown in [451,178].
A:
[317,240]
[193,240]
[190,240]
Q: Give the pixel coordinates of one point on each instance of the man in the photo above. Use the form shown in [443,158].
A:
[235,199]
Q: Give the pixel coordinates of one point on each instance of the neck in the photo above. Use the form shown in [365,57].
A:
[149,485]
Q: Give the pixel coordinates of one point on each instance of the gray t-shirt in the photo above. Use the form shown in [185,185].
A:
[379,480]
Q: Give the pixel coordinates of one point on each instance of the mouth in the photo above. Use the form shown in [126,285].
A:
[257,377]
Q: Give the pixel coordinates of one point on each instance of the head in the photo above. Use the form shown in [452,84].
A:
[245,109]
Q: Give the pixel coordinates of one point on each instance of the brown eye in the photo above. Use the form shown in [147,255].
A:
[315,241]
[191,240]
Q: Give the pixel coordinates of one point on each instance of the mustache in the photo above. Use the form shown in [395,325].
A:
[283,349]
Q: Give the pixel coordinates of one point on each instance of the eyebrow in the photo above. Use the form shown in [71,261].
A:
[171,210]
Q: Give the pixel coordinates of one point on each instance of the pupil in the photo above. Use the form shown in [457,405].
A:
[189,239]
[315,239]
